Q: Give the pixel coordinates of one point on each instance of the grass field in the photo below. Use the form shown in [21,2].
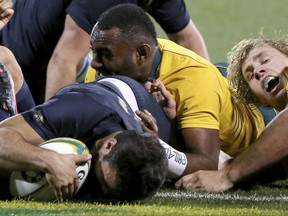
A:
[262,200]
[225,22]
[222,23]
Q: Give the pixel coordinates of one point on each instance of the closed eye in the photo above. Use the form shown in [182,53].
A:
[265,60]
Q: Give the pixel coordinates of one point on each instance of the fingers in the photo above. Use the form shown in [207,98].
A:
[66,189]
[188,182]
[79,159]
[147,113]
[6,8]
[160,92]
[148,122]
[7,13]
[158,85]
[65,192]
[58,195]
[148,86]
[71,189]
[62,175]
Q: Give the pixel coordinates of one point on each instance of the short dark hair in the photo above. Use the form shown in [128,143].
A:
[141,165]
[131,20]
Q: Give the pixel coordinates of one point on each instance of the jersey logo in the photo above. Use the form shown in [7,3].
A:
[38,116]
[126,109]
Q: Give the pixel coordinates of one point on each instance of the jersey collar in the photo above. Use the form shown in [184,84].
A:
[155,65]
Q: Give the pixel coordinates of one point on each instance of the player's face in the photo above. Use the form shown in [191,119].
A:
[266,72]
[114,55]
[106,176]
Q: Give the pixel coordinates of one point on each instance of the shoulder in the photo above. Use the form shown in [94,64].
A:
[179,55]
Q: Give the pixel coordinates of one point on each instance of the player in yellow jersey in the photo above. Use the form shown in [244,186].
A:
[259,70]
[208,120]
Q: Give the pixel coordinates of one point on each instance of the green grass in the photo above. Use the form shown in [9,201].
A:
[271,199]
[222,24]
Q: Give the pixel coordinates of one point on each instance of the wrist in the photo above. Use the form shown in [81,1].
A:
[232,174]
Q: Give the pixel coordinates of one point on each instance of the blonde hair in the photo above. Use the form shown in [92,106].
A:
[236,57]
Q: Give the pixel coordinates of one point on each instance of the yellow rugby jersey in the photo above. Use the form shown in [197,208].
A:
[204,100]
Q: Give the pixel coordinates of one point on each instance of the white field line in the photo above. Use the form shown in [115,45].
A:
[221,196]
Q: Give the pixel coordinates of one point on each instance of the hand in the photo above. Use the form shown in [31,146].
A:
[6,12]
[163,97]
[62,175]
[148,122]
[212,181]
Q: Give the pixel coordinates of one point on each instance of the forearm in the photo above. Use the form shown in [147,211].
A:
[191,38]
[60,72]
[17,154]
[69,53]
[199,162]
[270,148]
[202,148]
[180,163]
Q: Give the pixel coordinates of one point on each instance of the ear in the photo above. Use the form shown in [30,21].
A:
[108,145]
[143,52]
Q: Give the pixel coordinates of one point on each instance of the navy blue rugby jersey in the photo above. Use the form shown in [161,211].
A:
[172,15]
[89,111]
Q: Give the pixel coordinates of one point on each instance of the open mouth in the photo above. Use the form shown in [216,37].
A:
[270,83]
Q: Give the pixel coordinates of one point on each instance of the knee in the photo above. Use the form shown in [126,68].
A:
[8,59]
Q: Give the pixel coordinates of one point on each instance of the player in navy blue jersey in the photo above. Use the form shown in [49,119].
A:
[40,29]
[101,114]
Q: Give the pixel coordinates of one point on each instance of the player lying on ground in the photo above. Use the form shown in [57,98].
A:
[259,69]
[133,164]
[208,120]
[97,114]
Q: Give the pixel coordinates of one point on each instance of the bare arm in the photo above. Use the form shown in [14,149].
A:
[191,38]
[201,146]
[15,149]
[269,148]
[201,149]
[19,151]
[69,54]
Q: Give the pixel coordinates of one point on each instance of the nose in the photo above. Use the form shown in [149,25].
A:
[259,72]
